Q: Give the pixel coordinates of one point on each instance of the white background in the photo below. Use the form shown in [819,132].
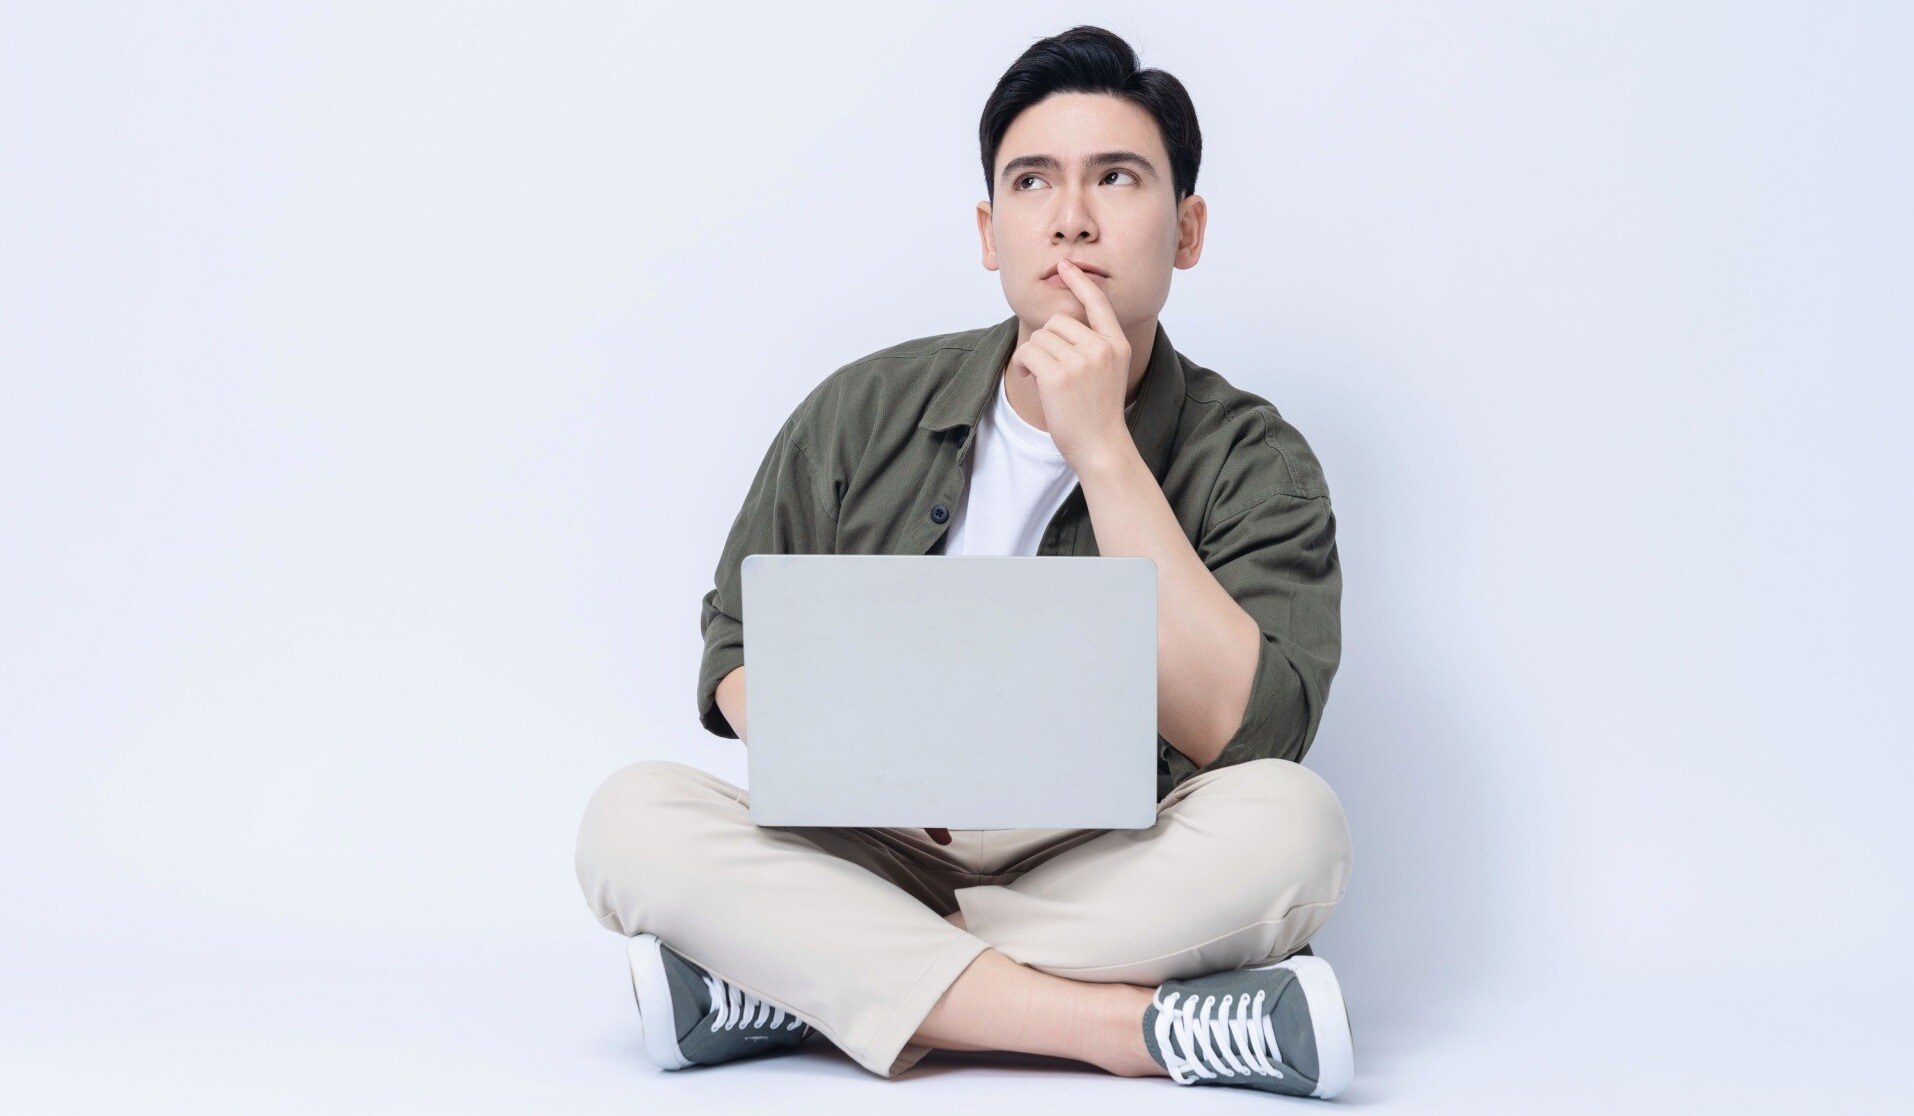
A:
[378,382]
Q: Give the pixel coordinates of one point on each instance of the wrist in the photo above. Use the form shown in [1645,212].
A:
[1109,464]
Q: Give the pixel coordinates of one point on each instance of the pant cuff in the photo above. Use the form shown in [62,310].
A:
[890,1052]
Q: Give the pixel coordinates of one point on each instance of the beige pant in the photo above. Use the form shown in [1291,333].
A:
[844,926]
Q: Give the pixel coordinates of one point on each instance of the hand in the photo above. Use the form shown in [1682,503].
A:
[941,836]
[1082,373]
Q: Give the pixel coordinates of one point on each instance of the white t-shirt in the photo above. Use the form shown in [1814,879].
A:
[1017,481]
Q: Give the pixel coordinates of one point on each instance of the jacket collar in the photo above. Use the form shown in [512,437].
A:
[960,400]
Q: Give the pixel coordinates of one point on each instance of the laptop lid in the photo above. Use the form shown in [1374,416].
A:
[961,692]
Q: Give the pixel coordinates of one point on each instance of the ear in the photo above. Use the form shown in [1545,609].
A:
[987,235]
[1192,219]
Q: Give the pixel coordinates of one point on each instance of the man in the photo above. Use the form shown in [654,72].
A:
[1071,428]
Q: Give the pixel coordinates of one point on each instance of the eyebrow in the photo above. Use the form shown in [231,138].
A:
[1049,162]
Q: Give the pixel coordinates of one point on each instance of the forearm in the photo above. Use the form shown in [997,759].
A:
[1207,645]
[730,699]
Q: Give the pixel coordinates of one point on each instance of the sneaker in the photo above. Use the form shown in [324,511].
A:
[691,1017]
[1281,1028]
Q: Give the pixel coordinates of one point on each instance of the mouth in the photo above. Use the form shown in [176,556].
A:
[1092,270]
[1052,279]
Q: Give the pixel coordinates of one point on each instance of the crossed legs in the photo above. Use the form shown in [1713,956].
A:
[1243,865]
[997,1004]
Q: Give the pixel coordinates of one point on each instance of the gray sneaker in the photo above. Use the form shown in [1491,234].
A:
[1281,1028]
[691,1017]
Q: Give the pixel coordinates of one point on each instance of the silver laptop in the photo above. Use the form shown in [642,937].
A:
[958,692]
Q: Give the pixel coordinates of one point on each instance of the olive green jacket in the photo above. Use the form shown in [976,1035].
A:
[873,462]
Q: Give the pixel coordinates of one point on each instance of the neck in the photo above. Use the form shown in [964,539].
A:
[1022,390]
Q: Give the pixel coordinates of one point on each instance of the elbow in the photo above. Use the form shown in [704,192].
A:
[1294,728]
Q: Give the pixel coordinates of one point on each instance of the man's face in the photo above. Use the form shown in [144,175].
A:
[1119,215]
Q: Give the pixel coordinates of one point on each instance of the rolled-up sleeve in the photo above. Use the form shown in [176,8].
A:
[1277,558]
[783,513]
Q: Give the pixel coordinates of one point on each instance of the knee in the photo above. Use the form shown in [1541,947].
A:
[1282,782]
[1300,813]
[621,815]
[642,782]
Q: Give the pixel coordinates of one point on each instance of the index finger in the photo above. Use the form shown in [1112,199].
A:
[1102,318]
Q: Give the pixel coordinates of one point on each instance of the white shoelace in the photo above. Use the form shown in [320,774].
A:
[738,1008]
[1245,1040]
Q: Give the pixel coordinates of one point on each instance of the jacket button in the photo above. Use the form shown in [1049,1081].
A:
[939,513]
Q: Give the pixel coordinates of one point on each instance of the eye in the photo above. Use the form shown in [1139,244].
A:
[1018,184]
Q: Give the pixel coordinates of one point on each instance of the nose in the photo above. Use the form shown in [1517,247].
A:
[1073,222]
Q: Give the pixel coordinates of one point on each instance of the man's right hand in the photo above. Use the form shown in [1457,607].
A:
[730,699]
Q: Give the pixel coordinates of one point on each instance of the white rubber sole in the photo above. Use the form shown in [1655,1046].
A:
[1329,1019]
[653,990]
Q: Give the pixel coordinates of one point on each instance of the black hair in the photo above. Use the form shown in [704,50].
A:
[1089,59]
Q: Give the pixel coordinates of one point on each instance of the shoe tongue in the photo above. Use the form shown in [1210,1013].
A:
[698,996]
[1282,1002]
[745,1013]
